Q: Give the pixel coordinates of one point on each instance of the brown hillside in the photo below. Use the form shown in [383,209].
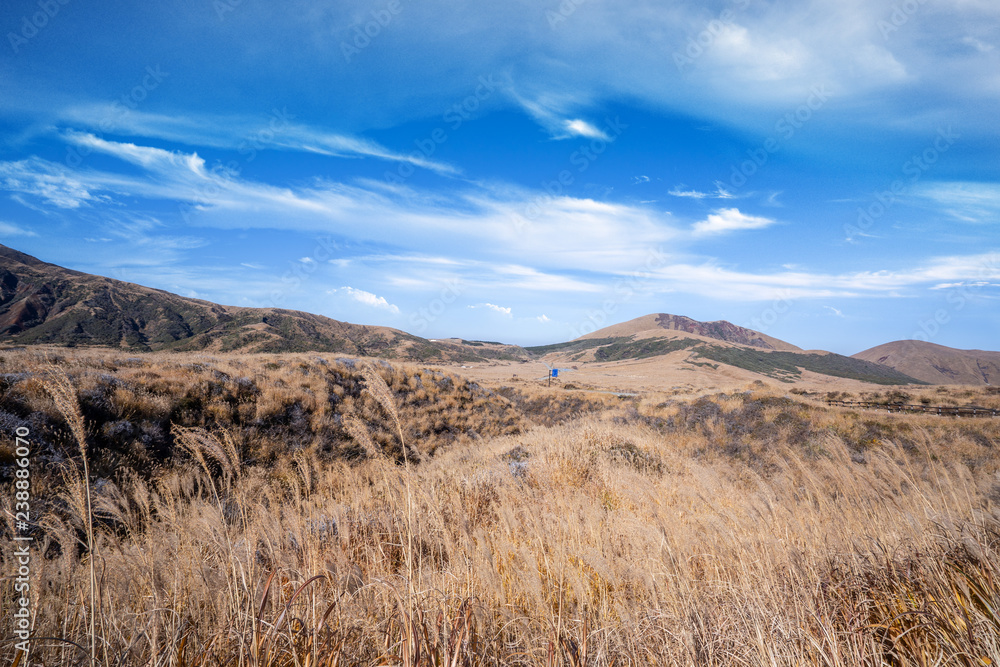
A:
[43,303]
[718,330]
[937,364]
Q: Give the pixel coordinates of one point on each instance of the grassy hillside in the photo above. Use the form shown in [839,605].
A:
[576,345]
[642,349]
[282,527]
[937,364]
[45,304]
[779,365]
[785,366]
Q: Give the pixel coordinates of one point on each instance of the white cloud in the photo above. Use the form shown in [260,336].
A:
[335,145]
[543,318]
[692,194]
[717,282]
[495,308]
[431,274]
[729,220]
[153,159]
[553,111]
[979,46]
[485,235]
[721,192]
[640,179]
[47,181]
[835,311]
[584,129]
[10,229]
[307,260]
[966,201]
[963,284]
[500,221]
[609,52]
[368,299]
[755,56]
[248,135]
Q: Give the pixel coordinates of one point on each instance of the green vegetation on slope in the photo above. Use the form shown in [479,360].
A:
[641,349]
[785,366]
[575,345]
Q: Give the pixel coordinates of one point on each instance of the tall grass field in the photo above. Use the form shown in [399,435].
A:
[300,510]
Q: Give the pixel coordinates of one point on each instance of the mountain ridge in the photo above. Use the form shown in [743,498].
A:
[42,303]
[649,325]
[684,343]
[937,364]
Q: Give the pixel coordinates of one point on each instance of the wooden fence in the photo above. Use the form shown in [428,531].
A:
[971,411]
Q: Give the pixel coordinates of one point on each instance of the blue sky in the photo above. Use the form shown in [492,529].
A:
[824,171]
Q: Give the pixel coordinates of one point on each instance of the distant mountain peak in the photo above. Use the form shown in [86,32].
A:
[937,364]
[718,330]
[722,330]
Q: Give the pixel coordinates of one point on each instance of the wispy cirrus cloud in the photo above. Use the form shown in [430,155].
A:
[555,113]
[10,229]
[966,201]
[710,279]
[248,135]
[726,220]
[426,273]
[721,192]
[46,181]
[565,232]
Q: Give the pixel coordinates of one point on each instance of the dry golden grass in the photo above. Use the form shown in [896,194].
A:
[739,529]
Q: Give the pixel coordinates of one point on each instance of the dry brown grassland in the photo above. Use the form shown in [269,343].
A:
[300,510]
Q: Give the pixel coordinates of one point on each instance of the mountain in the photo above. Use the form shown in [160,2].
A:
[681,343]
[43,303]
[937,364]
[654,325]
